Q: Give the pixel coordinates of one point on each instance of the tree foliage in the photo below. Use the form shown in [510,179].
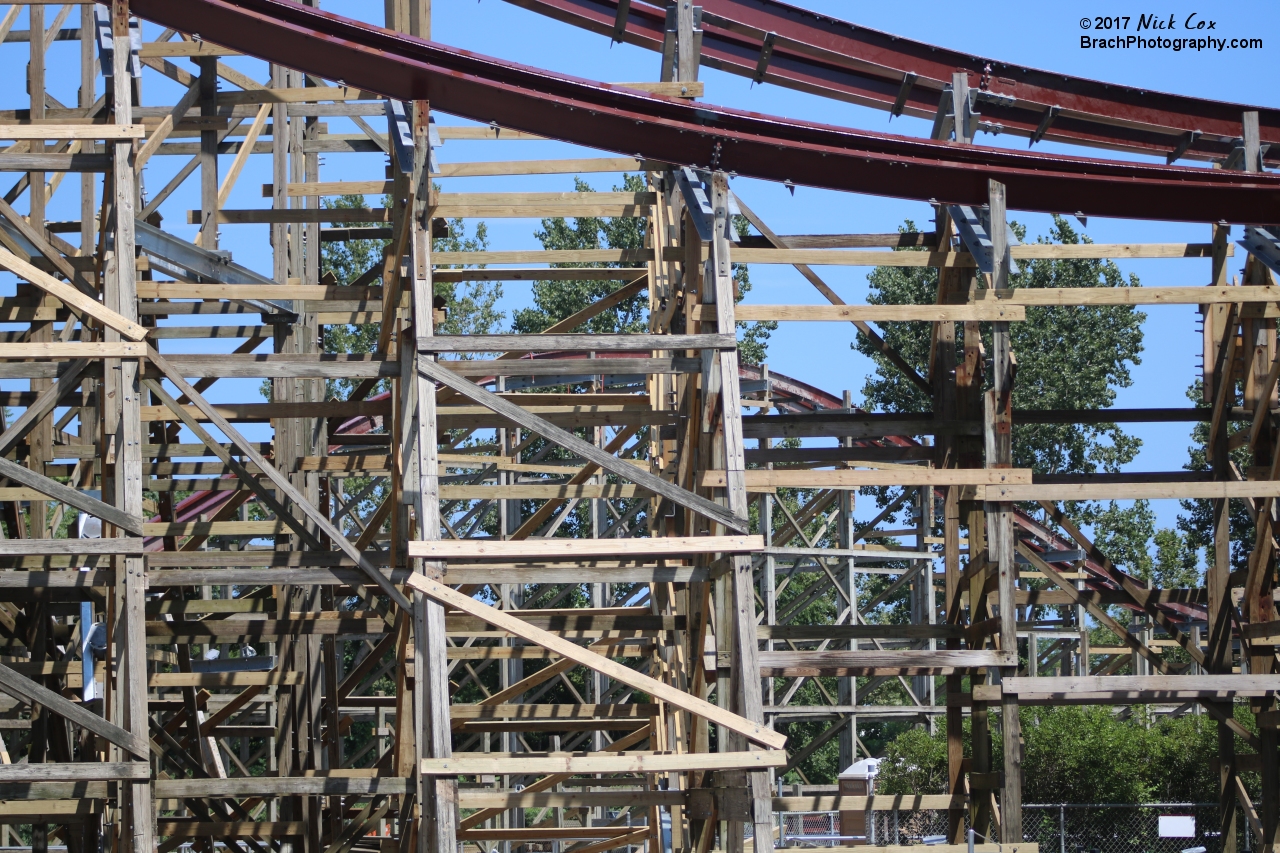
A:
[554,300]
[1068,358]
[1083,755]
[1195,521]
[472,306]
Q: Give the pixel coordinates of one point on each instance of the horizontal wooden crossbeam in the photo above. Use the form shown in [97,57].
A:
[574,549]
[464,764]
[755,732]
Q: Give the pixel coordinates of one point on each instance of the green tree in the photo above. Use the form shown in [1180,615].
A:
[554,300]
[1068,358]
[1083,755]
[471,306]
[1195,521]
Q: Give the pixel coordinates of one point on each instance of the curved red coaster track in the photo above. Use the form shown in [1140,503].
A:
[838,59]
[623,120]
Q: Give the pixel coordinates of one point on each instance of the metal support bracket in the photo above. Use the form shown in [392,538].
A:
[904,91]
[975,232]
[766,53]
[1263,244]
[1046,121]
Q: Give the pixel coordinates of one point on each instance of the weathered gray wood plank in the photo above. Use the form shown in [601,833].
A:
[21,687]
[587,451]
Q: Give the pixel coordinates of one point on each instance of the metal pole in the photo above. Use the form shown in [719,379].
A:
[1062,828]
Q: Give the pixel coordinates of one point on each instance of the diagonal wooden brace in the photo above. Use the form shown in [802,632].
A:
[756,732]
[255,485]
[278,480]
[72,497]
[20,687]
[586,450]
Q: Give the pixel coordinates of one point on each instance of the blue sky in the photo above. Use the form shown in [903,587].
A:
[1037,34]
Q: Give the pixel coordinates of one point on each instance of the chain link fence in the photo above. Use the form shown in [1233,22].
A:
[1057,828]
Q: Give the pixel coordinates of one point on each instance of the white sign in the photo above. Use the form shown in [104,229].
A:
[1177,826]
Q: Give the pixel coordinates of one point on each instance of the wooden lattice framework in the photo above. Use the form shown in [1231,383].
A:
[127,735]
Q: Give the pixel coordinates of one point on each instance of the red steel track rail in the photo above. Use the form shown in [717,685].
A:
[615,118]
[833,58]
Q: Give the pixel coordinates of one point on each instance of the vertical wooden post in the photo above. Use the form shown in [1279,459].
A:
[688,39]
[944,375]
[209,153]
[960,105]
[439,795]
[746,663]
[1259,604]
[1219,654]
[1000,545]
[128,439]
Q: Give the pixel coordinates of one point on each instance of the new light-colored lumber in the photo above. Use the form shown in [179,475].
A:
[980,312]
[119,349]
[1128,295]
[291,291]
[1130,491]
[296,96]
[573,549]
[71,131]
[72,297]
[901,476]
[486,763]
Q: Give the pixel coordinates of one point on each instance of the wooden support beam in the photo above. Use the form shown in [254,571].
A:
[896,476]
[79,771]
[475,764]
[21,687]
[575,549]
[574,343]
[1219,490]
[71,497]
[677,698]
[1134,689]
[584,449]
[278,480]
[70,296]
[981,312]
[109,132]
[1029,296]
